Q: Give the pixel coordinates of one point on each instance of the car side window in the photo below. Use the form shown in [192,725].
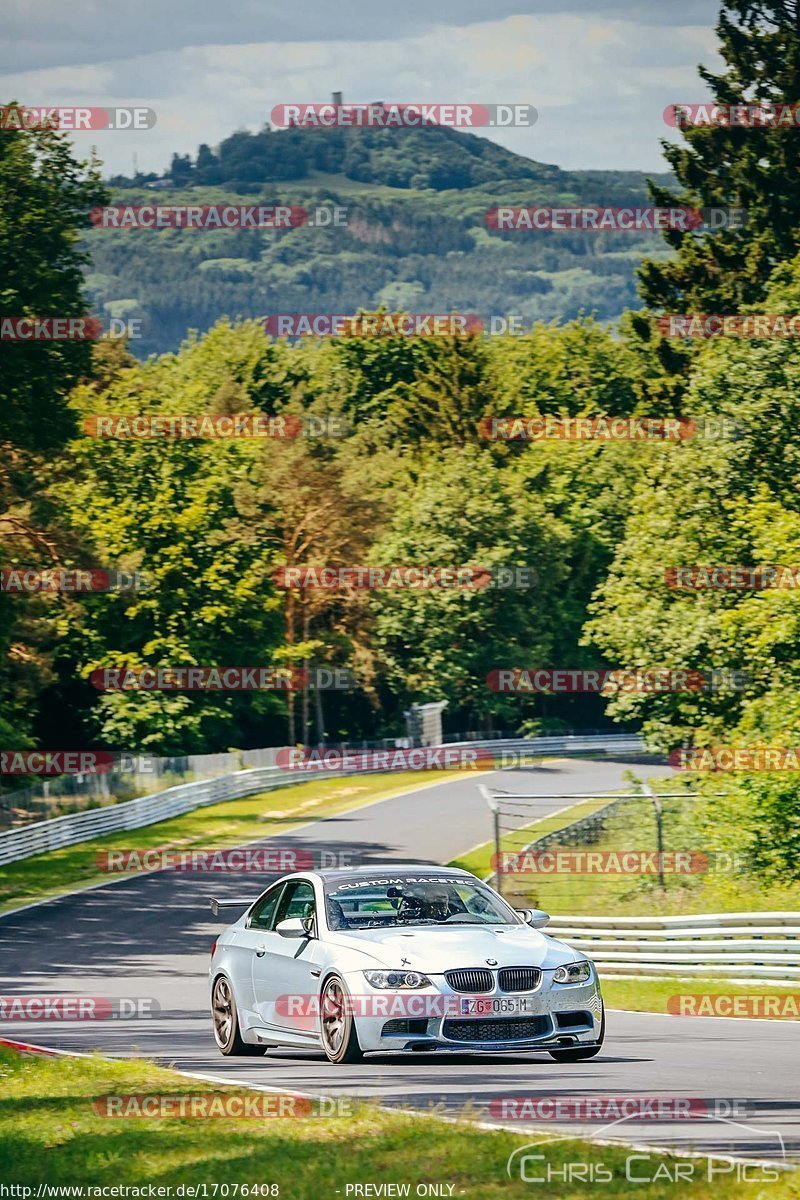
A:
[263,914]
[296,901]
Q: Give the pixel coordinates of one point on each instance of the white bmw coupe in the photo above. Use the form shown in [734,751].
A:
[398,957]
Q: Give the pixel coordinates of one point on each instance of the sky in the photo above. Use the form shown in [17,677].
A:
[599,73]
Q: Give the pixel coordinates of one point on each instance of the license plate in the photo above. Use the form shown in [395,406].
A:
[495,1006]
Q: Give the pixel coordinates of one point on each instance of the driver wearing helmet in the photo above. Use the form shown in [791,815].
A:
[426,904]
[438,904]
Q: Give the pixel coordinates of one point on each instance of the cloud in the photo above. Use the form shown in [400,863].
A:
[600,84]
[50,33]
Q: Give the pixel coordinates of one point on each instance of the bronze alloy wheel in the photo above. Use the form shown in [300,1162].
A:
[226,1022]
[337,1027]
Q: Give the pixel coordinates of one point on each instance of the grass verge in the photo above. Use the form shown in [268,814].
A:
[655,995]
[479,859]
[50,1133]
[718,879]
[232,823]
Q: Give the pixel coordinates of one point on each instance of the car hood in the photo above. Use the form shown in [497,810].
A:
[432,950]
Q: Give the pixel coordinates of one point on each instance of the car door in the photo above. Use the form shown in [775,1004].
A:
[244,943]
[286,971]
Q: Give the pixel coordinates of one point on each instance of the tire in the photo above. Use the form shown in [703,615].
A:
[576,1053]
[226,1023]
[337,1026]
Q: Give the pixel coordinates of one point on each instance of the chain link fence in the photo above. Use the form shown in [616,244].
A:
[594,852]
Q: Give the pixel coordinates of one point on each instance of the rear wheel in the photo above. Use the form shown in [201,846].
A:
[226,1022]
[578,1053]
[337,1025]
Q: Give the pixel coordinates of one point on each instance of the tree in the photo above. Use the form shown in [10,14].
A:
[207,165]
[448,395]
[308,506]
[755,168]
[181,169]
[45,197]
[167,507]
[453,509]
[717,500]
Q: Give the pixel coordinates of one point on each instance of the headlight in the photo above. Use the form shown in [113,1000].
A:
[579,972]
[396,979]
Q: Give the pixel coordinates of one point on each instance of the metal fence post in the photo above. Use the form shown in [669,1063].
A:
[497,851]
[498,833]
[659,811]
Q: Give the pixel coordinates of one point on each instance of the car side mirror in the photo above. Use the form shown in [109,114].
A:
[294,927]
[534,917]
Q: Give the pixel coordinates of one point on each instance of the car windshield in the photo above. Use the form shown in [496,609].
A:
[404,900]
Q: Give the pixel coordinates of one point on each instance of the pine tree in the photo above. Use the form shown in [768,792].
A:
[207,165]
[181,169]
[753,167]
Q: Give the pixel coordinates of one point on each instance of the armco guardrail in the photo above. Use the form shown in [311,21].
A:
[748,947]
[36,838]
[144,774]
[16,844]
[610,743]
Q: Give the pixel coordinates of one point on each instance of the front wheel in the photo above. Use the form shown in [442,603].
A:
[337,1025]
[577,1053]
[226,1023]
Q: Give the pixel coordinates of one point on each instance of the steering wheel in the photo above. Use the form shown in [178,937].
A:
[410,908]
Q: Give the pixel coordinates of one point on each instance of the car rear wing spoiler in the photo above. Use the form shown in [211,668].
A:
[217,906]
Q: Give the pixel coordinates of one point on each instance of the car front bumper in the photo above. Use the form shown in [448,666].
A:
[559,1016]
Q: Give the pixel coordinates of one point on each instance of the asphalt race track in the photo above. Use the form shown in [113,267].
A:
[150,936]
